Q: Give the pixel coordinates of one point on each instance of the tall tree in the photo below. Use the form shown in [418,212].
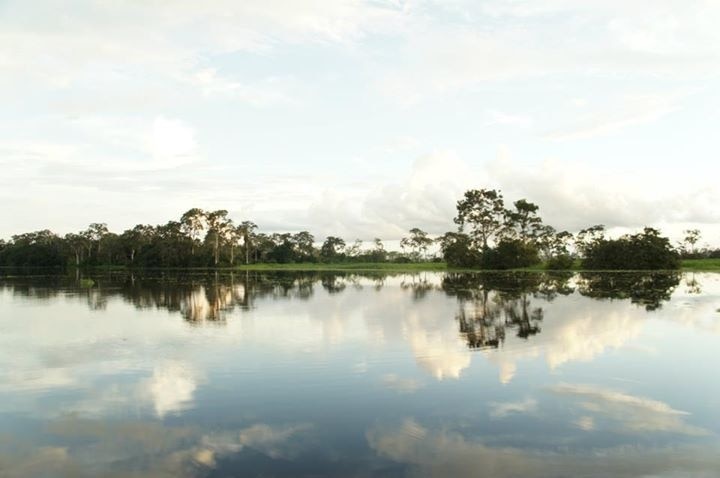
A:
[483,211]
[331,248]
[78,244]
[193,224]
[218,227]
[524,219]
[94,233]
[304,249]
[418,241]
[136,238]
[692,237]
[248,232]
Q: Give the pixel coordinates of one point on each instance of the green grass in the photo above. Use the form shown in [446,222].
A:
[347,266]
[698,265]
[701,265]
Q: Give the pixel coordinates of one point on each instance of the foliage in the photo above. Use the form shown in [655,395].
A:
[483,211]
[458,251]
[510,254]
[644,251]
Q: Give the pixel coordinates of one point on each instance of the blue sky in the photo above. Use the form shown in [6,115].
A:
[359,118]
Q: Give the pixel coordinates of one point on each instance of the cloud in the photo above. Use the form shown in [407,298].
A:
[631,111]
[399,384]
[580,332]
[629,413]
[502,410]
[171,388]
[448,453]
[269,92]
[273,441]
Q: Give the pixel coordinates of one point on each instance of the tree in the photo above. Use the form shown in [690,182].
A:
[193,224]
[588,238]
[643,251]
[354,250]
[418,241]
[135,239]
[378,253]
[330,249]
[558,254]
[283,248]
[94,234]
[457,250]
[692,237]
[483,210]
[219,226]
[248,231]
[523,221]
[235,236]
[77,243]
[304,246]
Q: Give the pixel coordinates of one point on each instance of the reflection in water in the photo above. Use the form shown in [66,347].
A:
[648,289]
[306,374]
[442,453]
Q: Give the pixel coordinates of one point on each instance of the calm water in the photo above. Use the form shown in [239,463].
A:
[287,374]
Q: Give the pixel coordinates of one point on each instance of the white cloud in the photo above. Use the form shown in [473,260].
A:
[171,388]
[400,384]
[504,409]
[629,413]
[631,111]
[440,453]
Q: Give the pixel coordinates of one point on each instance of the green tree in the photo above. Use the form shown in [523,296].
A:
[133,240]
[458,250]
[248,232]
[331,249]
[483,211]
[524,220]
[219,225]
[193,224]
[643,251]
[304,246]
[77,244]
[94,234]
[692,237]
[418,241]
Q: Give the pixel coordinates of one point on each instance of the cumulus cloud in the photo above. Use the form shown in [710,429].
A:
[273,441]
[400,384]
[171,388]
[504,409]
[631,111]
[450,453]
[579,332]
[628,413]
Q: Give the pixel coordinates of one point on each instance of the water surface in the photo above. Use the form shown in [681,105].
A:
[327,374]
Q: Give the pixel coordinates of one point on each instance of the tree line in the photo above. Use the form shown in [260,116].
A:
[489,235]
[493,236]
[198,239]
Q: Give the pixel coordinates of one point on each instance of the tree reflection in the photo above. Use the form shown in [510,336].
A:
[648,289]
[491,303]
[488,303]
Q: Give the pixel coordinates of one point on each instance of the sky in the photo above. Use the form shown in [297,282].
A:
[360,119]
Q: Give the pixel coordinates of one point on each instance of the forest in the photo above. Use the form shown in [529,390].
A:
[489,235]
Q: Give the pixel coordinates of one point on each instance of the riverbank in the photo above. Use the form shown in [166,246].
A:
[688,265]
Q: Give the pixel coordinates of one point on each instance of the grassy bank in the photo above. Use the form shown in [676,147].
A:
[696,265]
[348,266]
[701,265]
